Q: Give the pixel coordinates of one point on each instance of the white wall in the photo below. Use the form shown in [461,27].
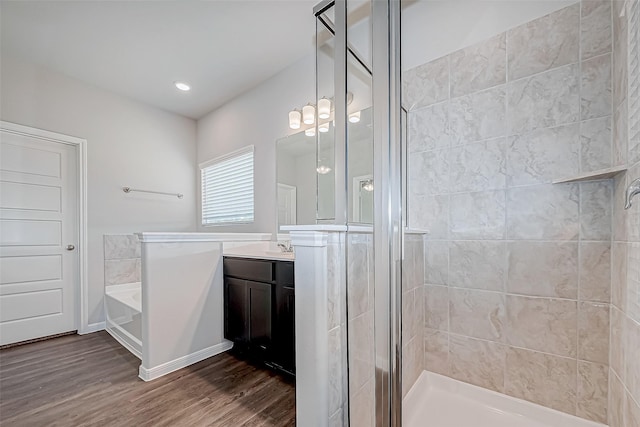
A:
[434,28]
[129,144]
[137,145]
[258,117]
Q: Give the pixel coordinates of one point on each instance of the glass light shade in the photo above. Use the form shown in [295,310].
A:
[182,86]
[354,117]
[368,186]
[323,170]
[324,128]
[308,114]
[294,119]
[310,132]
[324,108]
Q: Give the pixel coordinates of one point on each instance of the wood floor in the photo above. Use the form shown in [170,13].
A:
[91,380]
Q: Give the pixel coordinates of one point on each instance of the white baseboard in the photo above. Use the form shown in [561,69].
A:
[92,327]
[182,362]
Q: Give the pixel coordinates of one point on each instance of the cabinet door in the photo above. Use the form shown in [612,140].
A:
[260,316]
[235,310]
[285,273]
[286,329]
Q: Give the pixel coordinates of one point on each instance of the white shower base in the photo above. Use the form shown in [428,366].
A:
[439,401]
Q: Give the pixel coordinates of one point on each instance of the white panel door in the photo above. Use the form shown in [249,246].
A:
[38,236]
[286,204]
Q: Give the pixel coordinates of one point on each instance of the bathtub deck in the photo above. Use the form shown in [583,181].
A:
[437,401]
[91,380]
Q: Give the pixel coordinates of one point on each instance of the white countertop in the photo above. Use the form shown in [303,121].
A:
[264,255]
[352,228]
[261,250]
[314,227]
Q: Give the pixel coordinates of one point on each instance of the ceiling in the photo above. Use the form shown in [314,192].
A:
[140,48]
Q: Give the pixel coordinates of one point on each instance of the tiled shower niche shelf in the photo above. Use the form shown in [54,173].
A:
[593,176]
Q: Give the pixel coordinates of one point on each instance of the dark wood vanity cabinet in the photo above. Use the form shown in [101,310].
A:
[259,309]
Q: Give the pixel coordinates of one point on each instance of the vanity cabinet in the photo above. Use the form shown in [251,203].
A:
[259,309]
[248,313]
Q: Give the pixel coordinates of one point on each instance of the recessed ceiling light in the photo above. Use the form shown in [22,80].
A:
[182,86]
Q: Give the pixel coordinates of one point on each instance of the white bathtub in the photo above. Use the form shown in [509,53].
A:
[439,401]
[123,308]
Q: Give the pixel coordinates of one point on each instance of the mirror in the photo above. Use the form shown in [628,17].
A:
[296,179]
[360,169]
[304,182]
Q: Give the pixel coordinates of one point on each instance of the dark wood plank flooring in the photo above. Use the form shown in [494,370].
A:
[91,380]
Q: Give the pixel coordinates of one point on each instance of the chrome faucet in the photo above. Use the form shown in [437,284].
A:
[632,190]
[285,246]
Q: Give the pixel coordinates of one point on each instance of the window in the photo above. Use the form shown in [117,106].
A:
[227,188]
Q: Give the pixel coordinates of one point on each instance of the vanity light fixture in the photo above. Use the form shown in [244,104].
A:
[294,119]
[182,86]
[323,128]
[308,114]
[310,132]
[324,108]
[323,170]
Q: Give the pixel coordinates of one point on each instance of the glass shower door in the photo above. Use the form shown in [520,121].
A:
[358,69]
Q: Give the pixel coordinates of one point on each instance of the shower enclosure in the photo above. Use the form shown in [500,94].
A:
[359,188]
[481,248]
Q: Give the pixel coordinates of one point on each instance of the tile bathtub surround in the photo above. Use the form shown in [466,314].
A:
[121,246]
[121,259]
[518,270]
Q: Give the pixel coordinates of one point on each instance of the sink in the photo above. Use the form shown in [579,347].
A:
[286,254]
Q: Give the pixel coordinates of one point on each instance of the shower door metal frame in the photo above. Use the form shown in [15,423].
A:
[388,226]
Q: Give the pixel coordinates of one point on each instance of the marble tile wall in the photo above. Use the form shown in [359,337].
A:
[121,259]
[624,370]
[412,311]
[360,328]
[336,325]
[517,269]
[360,292]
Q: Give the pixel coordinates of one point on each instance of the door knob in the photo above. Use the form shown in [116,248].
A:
[70,247]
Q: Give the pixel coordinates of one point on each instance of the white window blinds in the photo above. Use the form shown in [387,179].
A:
[227,188]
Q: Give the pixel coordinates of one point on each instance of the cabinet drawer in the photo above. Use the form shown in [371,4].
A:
[250,269]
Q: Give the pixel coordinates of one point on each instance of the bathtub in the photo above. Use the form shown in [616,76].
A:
[123,308]
[439,401]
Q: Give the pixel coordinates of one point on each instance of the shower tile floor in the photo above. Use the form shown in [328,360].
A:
[439,401]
